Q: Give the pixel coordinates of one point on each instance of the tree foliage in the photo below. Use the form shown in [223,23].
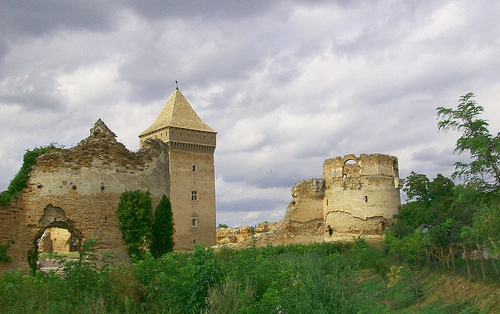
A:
[441,217]
[21,178]
[429,202]
[135,214]
[484,148]
[163,229]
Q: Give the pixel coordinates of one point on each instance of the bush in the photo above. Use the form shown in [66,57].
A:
[135,214]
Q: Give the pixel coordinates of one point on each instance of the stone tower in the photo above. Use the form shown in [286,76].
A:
[191,146]
[361,193]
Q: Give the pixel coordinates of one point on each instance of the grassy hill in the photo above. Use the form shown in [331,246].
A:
[316,278]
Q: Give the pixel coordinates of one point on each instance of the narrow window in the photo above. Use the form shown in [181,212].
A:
[194,241]
[194,168]
[194,195]
[366,198]
[194,221]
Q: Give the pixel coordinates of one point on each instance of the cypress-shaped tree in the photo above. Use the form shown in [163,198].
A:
[163,229]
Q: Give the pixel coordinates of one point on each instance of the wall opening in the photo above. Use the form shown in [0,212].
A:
[351,169]
[194,221]
[56,235]
[62,240]
[57,240]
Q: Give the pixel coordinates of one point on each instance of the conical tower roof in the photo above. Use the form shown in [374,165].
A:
[178,113]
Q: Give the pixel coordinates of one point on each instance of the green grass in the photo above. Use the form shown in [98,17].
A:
[317,278]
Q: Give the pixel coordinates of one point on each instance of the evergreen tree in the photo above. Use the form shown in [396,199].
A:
[163,229]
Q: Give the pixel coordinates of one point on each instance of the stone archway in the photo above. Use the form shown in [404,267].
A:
[54,217]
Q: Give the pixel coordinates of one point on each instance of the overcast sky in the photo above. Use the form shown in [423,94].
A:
[287,84]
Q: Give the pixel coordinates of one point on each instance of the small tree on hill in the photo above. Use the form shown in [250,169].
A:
[135,213]
[163,229]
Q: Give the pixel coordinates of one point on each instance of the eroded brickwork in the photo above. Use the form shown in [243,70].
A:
[357,195]
[79,189]
[361,193]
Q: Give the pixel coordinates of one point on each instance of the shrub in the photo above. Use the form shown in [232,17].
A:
[135,214]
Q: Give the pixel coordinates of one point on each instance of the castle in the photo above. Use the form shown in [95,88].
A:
[78,189]
[357,195]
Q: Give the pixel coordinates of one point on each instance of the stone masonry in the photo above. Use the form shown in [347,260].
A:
[78,189]
[357,195]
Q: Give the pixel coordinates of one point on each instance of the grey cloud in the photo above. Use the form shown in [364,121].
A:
[35,18]
[206,9]
[34,93]
[4,50]
[254,204]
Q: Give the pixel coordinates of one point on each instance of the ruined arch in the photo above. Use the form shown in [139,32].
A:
[351,168]
[53,217]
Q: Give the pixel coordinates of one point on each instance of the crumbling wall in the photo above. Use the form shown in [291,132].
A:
[357,195]
[361,193]
[304,214]
[13,231]
[79,189]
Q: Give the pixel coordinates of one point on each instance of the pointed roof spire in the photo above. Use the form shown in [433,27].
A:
[178,113]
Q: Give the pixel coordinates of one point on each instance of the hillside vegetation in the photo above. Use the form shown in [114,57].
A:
[315,278]
[439,256]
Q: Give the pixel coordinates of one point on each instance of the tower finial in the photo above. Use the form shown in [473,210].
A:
[176,85]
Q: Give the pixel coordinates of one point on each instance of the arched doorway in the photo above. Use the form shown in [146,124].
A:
[56,235]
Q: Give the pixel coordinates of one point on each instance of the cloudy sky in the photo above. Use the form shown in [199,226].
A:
[287,84]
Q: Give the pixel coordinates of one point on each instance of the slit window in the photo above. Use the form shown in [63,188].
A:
[194,195]
[194,221]
[194,168]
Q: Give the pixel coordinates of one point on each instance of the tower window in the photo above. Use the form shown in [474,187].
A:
[194,221]
[194,195]
[194,168]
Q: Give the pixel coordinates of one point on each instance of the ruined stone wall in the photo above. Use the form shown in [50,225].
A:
[356,195]
[308,196]
[361,193]
[79,189]
[304,214]
[13,231]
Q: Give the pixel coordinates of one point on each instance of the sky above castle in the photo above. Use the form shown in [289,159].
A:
[287,84]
